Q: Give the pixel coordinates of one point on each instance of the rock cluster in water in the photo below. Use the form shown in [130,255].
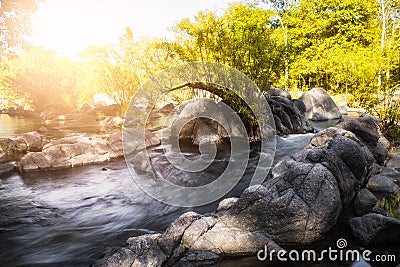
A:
[39,154]
[298,204]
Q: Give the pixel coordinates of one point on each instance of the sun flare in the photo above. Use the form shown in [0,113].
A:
[70,26]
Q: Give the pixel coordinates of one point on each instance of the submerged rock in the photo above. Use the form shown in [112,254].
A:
[319,105]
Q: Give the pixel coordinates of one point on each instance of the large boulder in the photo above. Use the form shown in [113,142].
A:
[319,105]
[191,240]
[382,184]
[202,120]
[14,148]
[34,141]
[375,229]
[306,193]
[66,153]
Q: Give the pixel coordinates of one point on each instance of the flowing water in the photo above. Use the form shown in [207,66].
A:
[72,217]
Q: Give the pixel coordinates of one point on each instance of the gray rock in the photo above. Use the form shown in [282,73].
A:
[391,172]
[226,203]
[146,250]
[288,119]
[298,206]
[14,148]
[141,162]
[319,105]
[34,140]
[382,184]
[365,202]
[278,92]
[7,168]
[299,104]
[122,257]
[203,132]
[394,159]
[194,125]
[366,129]
[173,235]
[375,229]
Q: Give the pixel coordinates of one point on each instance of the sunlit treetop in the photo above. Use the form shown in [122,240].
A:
[15,24]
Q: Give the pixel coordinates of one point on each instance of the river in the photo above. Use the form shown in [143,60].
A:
[72,217]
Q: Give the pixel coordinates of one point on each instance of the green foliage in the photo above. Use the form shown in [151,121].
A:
[346,46]
[242,38]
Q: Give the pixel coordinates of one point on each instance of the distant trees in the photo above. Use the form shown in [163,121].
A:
[50,81]
[346,46]
[120,70]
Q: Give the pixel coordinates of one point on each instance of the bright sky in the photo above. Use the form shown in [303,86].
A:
[68,26]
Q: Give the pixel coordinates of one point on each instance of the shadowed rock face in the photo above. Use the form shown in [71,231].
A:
[288,118]
[375,228]
[319,105]
[298,204]
[366,129]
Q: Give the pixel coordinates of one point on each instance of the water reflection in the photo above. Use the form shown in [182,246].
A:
[11,126]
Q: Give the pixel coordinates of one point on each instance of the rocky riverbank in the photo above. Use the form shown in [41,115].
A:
[33,152]
[298,204]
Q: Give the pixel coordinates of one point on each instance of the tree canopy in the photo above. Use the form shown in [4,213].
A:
[346,46]
[15,24]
